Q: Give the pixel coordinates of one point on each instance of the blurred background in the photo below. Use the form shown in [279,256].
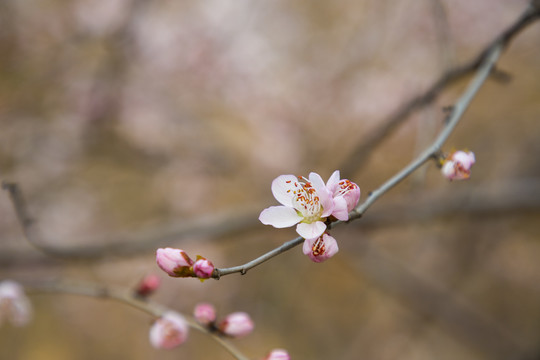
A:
[132,125]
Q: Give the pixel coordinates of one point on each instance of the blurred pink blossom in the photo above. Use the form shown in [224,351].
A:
[203,268]
[148,285]
[321,248]
[237,324]
[14,304]
[306,202]
[205,313]
[169,331]
[174,262]
[458,165]
[278,354]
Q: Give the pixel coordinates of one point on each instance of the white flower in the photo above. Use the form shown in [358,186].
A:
[306,203]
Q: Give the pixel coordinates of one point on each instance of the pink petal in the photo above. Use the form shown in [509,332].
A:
[341,211]
[311,231]
[279,216]
[333,181]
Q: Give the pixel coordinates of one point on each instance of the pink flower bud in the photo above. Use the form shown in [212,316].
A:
[278,354]
[169,331]
[205,313]
[321,248]
[345,194]
[458,165]
[14,304]
[148,285]
[237,324]
[203,268]
[174,262]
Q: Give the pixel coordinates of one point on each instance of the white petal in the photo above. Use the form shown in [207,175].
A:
[333,182]
[311,231]
[279,216]
[283,187]
[324,194]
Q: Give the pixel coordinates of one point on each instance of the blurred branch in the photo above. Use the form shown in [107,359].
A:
[517,196]
[126,297]
[361,153]
[433,302]
[135,243]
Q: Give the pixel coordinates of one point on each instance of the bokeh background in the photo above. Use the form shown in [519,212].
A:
[133,124]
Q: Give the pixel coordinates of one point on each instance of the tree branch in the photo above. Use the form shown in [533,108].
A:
[361,153]
[457,112]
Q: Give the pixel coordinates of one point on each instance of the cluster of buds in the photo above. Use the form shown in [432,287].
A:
[172,328]
[309,204]
[14,305]
[235,325]
[457,165]
[177,263]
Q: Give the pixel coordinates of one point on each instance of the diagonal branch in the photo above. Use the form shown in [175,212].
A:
[431,152]
[361,153]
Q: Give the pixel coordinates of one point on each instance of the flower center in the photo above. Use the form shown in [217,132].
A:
[345,186]
[307,202]
[318,247]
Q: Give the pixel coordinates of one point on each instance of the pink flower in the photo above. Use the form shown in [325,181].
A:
[345,194]
[205,313]
[14,304]
[148,285]
[278,354]
[458,165]
[169,331]
[203,268]
[304,202]
[321,248]
[236,324]
[174,262]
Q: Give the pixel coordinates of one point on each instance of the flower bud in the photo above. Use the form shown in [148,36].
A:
[458,165]
[203,268]
[174,262]
[237,324]
[345,194]
[321,248]
[14,304]
[169,331]
[278,354]
[148,285]
[205,313]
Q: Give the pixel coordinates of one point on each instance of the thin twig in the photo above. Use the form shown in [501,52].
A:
[359,156]
[457,112]
[126,297]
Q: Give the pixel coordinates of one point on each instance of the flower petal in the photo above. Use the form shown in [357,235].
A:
[283,189]
[333,181]
[341,211]
[279,216]
[325,197]
[311,231]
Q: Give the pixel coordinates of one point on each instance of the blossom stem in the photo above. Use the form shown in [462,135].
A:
[126,297]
